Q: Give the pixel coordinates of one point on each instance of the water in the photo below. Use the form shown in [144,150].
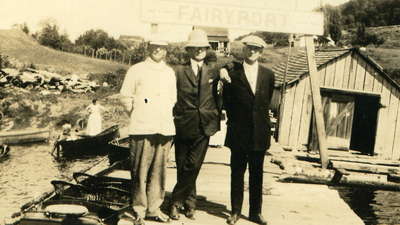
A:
[373,206]
[27,172]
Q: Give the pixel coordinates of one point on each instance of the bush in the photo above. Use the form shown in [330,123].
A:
[4,61]
[113,79]
[176,55]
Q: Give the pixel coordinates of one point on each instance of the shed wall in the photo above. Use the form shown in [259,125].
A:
[349,72]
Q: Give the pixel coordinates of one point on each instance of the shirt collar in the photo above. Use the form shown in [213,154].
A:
[150,60]
[196,64]
[248,66]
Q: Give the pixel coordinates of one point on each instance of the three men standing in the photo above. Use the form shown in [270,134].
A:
[197,117]
[247,96]
[149,95]
[157,99]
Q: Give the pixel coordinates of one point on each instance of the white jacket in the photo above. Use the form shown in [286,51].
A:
[149,93]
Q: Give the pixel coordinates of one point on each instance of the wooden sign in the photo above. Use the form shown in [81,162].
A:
[287,16]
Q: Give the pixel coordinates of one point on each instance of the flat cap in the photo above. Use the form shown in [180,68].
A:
[157,39]
[254,41]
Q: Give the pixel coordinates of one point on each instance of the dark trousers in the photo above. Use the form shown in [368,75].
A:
[189,156]
[239,160]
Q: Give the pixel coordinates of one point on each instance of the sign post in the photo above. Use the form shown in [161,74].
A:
[316,98]
[289,16]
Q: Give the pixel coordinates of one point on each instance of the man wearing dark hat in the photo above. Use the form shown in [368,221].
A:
[196,117]
[149,94]
[247,94]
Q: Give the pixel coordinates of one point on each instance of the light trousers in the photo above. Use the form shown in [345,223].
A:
[149,155]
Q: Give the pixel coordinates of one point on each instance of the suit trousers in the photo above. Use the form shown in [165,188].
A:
[239,160]
[149,155]
[189,156]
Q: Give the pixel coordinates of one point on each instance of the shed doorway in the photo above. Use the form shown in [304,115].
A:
[365,119]
[350,122]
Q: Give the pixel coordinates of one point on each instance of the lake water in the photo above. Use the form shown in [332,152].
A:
[27,172]
[373,206]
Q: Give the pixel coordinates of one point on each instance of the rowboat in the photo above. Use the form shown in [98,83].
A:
[92,197]
[24,136]
[85,144]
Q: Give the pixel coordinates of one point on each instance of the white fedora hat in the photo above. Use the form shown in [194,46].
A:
[197,38]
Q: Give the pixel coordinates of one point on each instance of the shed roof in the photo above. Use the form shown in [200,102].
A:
[214,31]
[297,66]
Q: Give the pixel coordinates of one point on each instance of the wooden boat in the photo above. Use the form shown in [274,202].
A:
[95,197]
[87,145]
[24,136]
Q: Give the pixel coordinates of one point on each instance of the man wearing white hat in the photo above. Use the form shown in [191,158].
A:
[149,95]
[247,95]
[197,117]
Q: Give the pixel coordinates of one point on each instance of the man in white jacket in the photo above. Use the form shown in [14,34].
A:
[149,95]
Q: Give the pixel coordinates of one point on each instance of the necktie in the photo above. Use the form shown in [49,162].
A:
[198,70]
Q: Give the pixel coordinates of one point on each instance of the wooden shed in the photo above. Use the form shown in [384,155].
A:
[361,104]
[218,38]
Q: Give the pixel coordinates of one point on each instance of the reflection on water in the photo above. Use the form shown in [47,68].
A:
[373,206]
[27,172]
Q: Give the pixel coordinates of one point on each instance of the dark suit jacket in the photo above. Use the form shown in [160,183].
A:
[196,112]
[248,123]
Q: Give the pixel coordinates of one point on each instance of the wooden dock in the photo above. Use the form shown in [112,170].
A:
[283,203]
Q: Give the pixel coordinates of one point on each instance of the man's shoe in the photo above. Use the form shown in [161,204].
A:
[126,218]
[189,213]
[138,221]
[258,218]
[232,219]
[161,218]
[174,213]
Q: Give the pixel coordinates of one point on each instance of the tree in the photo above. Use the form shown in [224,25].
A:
[102,51]
[23,27]
[371,13]
[333,24]
[363,38]
[49,36]
[97,39]
[66,44]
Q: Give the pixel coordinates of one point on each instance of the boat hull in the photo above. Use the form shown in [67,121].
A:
[87,145]
[105,194]
[24,137]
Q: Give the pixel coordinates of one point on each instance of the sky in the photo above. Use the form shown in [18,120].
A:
[116,17]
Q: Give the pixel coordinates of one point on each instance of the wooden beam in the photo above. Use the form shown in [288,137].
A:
[376,181]
[350,91]
[365,168]
[349,158]
[316,98]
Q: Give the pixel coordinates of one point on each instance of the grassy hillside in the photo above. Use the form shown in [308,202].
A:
[387,54]
[18,45]
[388,58]
[391,34]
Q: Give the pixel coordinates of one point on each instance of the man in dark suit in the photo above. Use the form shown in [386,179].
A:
[247,95]
[196,117]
